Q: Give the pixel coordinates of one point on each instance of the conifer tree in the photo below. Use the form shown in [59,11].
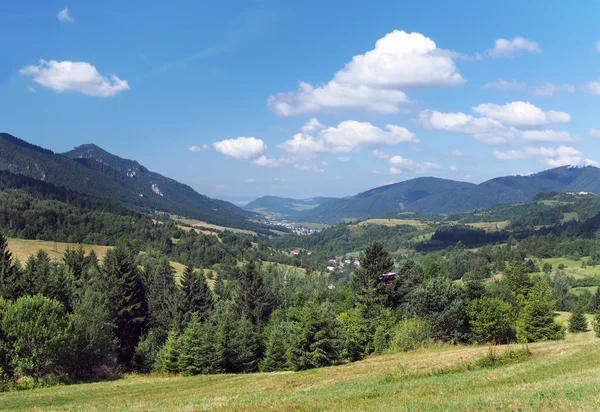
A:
[537,320]
[577,321]
[596,301]
[8,272]
[279,343]
[517,279]
[374,262]
[120,280]
[253,298]
[169,357]
[162,297]
[201,351]
[197,296]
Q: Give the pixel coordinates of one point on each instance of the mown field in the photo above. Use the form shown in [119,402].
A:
[22,248]
[560,376]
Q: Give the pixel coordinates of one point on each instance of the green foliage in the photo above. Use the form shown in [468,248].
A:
[578,321]
[253,298]
[439,302]
[147,355]
[491,320]
[537,320]
[410,334]
[122,282]
[375,261]
[319,341]
[36,332]
[596,324]
[278,347]
[201,350]
[517,278]
[197,297]
[170,359]
[162,296]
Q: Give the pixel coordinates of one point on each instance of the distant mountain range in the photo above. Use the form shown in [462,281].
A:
[441,196]
[91,170]
[284,207]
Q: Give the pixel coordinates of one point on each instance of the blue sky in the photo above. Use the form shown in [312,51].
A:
[246,98]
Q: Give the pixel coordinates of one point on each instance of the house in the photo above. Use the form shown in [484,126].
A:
[387,278]
[332,261]
[294,252]
[347,261]
[330,268]
[340,267]
[356,262]
[331,287]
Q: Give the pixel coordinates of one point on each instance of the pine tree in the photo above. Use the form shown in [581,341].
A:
[220,287]
[201,351]
[162,297]
[253,298]
[278,346]
[374,262]
[577,321]
[537,320]
[596,301]
[169,357]
[120,280]
[8,272]
[197,296]
[517,279]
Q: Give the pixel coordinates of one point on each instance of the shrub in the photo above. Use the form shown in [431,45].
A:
[410,334]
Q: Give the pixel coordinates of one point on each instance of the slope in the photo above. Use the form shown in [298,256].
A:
[382,200]
[107,178]
[285,207]
[560,376]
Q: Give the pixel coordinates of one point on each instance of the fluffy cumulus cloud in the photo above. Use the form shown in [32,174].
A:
[348,136]
[80,77]
[593,87]
[555,157]
[375,81]
[266,161]
[521,114]
[64,16]
[243,148]
[499,124]
[512,47]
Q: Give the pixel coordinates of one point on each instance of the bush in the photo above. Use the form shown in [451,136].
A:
[410,334]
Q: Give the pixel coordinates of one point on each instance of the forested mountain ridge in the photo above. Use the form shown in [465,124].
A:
[381,200]
[102,174]
[441,196]
[286,207]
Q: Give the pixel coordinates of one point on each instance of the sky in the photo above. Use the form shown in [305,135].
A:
[241,99]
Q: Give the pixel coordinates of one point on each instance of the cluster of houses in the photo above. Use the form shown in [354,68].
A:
[340,264]
[298,230]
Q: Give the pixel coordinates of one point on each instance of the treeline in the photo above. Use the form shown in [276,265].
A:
[81,317]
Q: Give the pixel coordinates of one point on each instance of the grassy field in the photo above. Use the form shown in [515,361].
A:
[573,267]
[395,222]
[560,376]
[199,223]
[22,248]
[490,226]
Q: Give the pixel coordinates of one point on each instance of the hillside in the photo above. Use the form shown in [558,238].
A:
[559,376]
[430,195]
[382,200]
[285,207]
[93,171]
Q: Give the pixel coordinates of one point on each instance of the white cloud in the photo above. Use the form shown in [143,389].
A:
[500,124]
[593,87]
[595,133]
[550,89]
[64,16]
[453,168]
[561,156]
[323,163]
[456,153]
[241,148]
[512,47]
[348,136]
[401,165]
[505,85]
[312,125]
[375,81]
[195,149]
[78,77]
[521,114]
[380,155]
[250,180]
[205,147]
[343,159]
[278,179]
[266,161]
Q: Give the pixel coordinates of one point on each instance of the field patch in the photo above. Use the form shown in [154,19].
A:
[23,248]
[395,222]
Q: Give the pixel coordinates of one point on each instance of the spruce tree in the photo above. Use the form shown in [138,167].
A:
[8,272]
[374,262]
[253,298]
[279,343]
[120,280]
[517,279]
[197,296]
[201,349]
[577,321]
[596,301]
[537,320]
[162,297]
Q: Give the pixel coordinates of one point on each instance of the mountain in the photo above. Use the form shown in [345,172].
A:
[381,200]
[91,170]
[285,207]
[440,196]
[511,189]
